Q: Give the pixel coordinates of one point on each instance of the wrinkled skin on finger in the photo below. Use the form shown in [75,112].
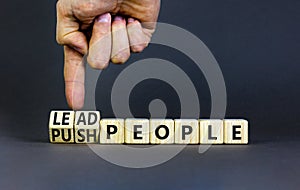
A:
[80,32]
[75,17]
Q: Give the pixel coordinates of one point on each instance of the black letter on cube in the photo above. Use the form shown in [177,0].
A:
[65,118]
[91,135]
[58,132]
[111,132]
[157,132]
[136,132]
[235,132]
[210,135]
[79,132]
[186,132]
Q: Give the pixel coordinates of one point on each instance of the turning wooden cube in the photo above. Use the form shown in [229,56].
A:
[137,131]
[162,131]
[61,127]
[211,131]
[186,131]
[235,131]
[112,131]
[87,126]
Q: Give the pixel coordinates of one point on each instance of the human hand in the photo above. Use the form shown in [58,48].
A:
[76,19]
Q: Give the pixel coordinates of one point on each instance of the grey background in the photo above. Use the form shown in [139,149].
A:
[257,46]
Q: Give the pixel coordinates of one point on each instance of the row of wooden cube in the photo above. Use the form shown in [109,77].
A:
[87,127]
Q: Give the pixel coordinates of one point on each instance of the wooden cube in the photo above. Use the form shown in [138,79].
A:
[235,131]
[87,126]
[137,131]
[162,131]
[211,131]
[61,127]
[186,131]
[112,131]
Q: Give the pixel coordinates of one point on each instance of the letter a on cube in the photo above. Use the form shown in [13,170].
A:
[87,126]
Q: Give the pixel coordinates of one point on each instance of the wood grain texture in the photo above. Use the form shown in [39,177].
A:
[211,131]
[186,131]
[137,131]
[112,131]
[87,126]
[235,131]
[162,131]
[61,127]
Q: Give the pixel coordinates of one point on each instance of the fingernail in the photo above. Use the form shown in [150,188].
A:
[104,18]
[118,18]
[130,20]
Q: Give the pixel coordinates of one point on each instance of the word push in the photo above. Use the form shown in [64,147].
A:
[86,127]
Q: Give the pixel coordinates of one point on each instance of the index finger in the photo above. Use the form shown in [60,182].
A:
[74,73]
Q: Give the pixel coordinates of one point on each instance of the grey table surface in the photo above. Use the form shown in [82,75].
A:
[39,165]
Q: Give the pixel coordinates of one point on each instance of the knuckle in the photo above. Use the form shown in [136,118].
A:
[120,58]
[76,41]
[58,5]
[84,7]
[97,63]
[59,39]
[138,48]
[88,5]
[61,8]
